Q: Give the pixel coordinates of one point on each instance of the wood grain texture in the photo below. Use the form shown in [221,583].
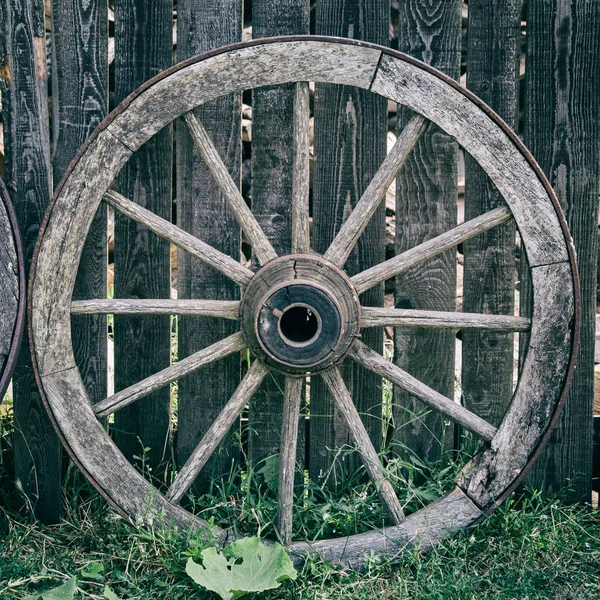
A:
[79,104]
[143,47]
[9,284]
[489,474]
[275,161]
[430,248]
[562,87]
[398,317]
[226,309]
[344,404]
[203,212]
[350,145]
[426,192]
[162,227]
[493,58]
[401,379]
[218,430]
[422,530]
[28,179]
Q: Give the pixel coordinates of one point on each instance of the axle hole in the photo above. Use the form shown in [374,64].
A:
[299,324]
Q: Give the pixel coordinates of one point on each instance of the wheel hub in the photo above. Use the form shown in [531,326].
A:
[300,314]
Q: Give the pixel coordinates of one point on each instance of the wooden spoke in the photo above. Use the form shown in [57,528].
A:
[212,438]
[261,246]
[343,402]
[300,175]
[375,362]
[351,230]
[226,309]
[287,458]
[390,268]
[231,344]
[397,317]
[225,264]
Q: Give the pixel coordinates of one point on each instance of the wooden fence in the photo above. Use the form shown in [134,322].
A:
[537,65]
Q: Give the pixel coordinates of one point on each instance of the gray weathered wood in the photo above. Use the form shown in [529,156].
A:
[203,212]
[489,474]
[399,317]
[292,402]
[561,90]
[256,236]
[9,284]
[350,144]
[422,530]
[493,59]
[217,431]
[364,210]
[447,407]
[80,103]
[223,263]
[280,180]
[142,346]
[141,389]
[23,74]
[368,454]
[226,309]
[430,248]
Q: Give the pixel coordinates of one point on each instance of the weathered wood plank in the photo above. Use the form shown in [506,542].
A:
[360,437]
[143,47]
[426,196]
[398,317]
[28,179]
[275,161]
[226,309]
[217,431]
[9,283]
[430,248]
[490,473]
[80,103]
[350,146]
[445,406]
[422,529]
[203,212]
[493,57]
[561,91]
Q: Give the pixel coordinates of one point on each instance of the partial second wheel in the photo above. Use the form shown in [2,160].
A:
[300,314]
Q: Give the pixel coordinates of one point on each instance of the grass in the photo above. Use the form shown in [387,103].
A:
[541,549]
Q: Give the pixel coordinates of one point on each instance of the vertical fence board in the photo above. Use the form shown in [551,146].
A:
[493,55]
[350,145]
[561,129]
[201,210]
[80,102]
[28,178]
[272,165]
[143,48]
[425,207]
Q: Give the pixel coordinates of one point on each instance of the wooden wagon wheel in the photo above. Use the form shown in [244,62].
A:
[12,290]
[308,286]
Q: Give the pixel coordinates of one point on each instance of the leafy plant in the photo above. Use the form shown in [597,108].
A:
[244,566]
[66,591]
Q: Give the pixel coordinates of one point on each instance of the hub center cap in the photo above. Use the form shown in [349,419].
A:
[300,313]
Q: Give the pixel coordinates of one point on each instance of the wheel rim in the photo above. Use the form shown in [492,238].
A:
[548,365]
[12,294]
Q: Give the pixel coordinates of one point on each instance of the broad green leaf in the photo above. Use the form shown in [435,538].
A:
[66,591]
[244,566]
[109,594]
[92,570]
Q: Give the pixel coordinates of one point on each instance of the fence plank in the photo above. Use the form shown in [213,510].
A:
[80,102]
[493,56]
[202,211]
[143,48]
[272,167]
[425,207]
[28,179]
[561,129]
[350,145]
